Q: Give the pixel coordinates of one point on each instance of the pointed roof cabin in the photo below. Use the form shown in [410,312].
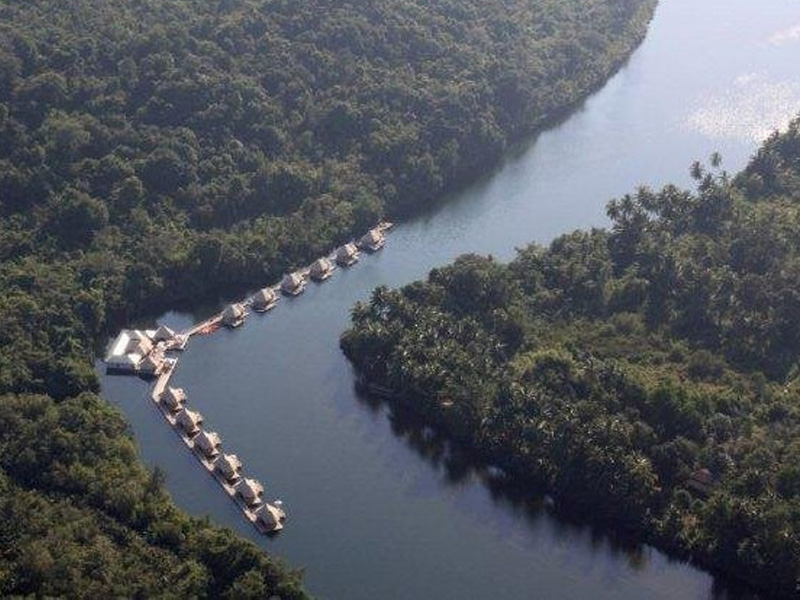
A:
[264,299]
[208,442]
[229,466]
[233,315]
[293,284]
[173,399]
[270,517]
[190,421]
[372,241]
[251,491]
[347,255]
[164,334]
[321,269]
[150,364]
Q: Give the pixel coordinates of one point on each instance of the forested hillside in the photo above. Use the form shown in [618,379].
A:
[646,376]
[154,151]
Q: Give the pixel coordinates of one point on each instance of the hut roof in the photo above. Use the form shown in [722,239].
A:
[292,280]
[233,311]
[373,236]
[321,265]
[150,364]
[264,297]
[346,251]
[189,419]
[269,515]
[208,441]
[229,464]
[251,490]
[164,334]
[174,398]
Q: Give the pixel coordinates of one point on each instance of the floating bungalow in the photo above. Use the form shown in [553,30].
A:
[233,316]
[174,399]
[164,334]
[189,421]
[151,364]
[264,300]
[293,284]
[229,466]
[270,517]
[321,270]
[347,255]
[128,351]
[209,443]
[251,491]
[372,241]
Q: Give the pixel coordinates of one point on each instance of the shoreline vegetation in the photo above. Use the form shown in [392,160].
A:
[156,152]
[645,376]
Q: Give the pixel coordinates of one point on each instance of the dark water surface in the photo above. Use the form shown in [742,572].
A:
[377,514]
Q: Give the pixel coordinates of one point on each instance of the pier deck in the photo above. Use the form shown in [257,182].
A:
[168,366]
[249,512]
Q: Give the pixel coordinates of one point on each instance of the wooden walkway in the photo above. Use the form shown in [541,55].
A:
[249,512]
[162,382]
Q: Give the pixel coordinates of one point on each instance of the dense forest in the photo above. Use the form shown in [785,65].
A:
[646,376]
[154,151]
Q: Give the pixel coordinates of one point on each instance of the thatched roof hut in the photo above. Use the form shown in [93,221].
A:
[347,255]
[293,284]
[208,442]
[264,299]
[321,269]
[151,364]
[173,399]
[270,517]
[229,466]
[233,315]
[251,491]
[189,420]
[372,241]
[163,334]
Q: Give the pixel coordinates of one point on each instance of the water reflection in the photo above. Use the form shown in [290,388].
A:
[458,466]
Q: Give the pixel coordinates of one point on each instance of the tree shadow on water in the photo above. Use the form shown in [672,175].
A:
[526,502]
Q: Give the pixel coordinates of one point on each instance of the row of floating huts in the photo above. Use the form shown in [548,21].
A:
[226,468]
[294,284]
[143,353]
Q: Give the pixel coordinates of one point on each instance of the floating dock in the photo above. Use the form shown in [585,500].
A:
[144,353]
[250,512]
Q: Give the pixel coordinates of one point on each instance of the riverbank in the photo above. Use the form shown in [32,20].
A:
[610,370]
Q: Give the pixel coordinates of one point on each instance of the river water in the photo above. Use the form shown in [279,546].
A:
[378,510]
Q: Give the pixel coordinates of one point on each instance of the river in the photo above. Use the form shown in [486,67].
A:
[375,509]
